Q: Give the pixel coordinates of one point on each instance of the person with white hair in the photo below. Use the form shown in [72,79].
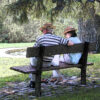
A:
[47,39]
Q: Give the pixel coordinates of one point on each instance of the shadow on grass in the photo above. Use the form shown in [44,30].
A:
[14,78]
[20,78]
[81,94]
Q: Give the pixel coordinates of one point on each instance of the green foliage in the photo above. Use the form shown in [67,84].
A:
[22,33]
[3,31]
[20,8]
[36,12]
[97,8]
[30,31]
[52,8]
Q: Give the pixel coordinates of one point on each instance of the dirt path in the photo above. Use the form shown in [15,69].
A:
[4,54]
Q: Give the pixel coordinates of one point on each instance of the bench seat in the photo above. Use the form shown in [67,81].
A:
[28,69]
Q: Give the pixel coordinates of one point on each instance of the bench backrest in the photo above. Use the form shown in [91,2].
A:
[59,49]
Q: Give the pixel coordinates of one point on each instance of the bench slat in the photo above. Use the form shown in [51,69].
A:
[58,49]
[27,69]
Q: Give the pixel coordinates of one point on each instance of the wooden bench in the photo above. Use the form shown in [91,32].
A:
[39,52]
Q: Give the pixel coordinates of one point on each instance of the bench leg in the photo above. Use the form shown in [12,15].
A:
[38,85]
[83,75]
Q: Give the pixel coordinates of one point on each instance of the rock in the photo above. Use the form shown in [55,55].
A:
[20,89]
[95,86]
[32,97]
[83,85]
[73,77]
[63,82]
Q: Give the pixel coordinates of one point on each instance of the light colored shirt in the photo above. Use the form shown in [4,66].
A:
[75,57]
[49,39]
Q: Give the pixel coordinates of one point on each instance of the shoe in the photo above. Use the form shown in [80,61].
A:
[32,84]
[59,79]
[53,79]
[44,80]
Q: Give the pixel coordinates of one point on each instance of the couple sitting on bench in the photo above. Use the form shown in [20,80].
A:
[50,39]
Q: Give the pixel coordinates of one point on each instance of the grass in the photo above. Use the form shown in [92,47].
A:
[15,45]
[9,75]
[82,94]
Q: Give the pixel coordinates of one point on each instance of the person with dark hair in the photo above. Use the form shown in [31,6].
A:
[71,58]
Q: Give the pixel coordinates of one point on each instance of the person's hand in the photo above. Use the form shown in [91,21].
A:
[70,43]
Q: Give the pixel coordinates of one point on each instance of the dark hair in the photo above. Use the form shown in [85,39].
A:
[73,33]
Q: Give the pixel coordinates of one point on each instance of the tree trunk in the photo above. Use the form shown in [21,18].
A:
[88,31]
[97,24]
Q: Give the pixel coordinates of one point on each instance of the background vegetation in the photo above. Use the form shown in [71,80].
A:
[21,19]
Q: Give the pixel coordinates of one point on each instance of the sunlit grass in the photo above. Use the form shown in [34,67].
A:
[7,75]
[6,63]
[6,72]
[16,45]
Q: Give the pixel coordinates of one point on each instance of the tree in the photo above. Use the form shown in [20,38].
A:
[51,9]
[88,29]
[3,31]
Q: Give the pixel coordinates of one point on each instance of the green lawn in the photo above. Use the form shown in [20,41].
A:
[15,45]
[9,75]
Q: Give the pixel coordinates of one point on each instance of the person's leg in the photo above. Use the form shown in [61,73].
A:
[33,62]
[56,73]
[67,59]
[32,81]
[55,62]
[61,58]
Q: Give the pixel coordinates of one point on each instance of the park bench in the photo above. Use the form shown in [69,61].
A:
[41,51]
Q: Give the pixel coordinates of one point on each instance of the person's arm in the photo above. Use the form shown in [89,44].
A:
[66,41]
[36,43]
[70,43]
